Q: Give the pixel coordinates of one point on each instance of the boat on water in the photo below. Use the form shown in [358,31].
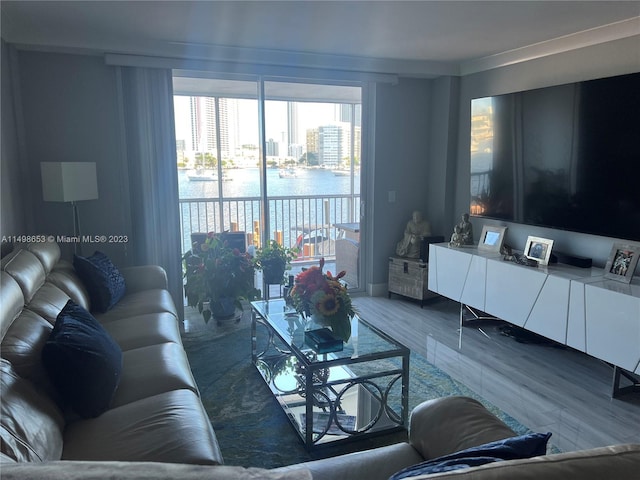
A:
[202,175]
[341,173]
[289,173]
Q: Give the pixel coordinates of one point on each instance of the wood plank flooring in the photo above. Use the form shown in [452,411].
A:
[546,387]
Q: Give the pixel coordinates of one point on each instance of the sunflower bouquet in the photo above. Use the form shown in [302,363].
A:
[325,297]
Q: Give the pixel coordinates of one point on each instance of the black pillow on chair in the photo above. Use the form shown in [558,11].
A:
[83,361]
[104,282]
[522,446]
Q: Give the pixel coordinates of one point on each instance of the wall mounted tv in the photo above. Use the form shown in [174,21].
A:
[565,157]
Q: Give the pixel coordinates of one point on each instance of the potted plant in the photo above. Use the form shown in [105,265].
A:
[218,277]
[273,260]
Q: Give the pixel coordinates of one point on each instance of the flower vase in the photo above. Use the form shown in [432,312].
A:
[316,321]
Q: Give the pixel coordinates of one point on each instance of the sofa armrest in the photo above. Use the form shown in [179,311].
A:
[144,277]
[446,425]
[82,470]
[375,464]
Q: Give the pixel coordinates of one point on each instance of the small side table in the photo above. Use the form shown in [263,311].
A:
[408,277]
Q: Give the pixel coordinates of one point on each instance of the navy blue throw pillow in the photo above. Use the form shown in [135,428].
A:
[104,282]
[83,361]
[523,446]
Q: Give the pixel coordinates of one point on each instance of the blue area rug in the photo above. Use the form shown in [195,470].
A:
[252,429]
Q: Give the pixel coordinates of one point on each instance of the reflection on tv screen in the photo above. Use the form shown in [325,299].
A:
[564,157]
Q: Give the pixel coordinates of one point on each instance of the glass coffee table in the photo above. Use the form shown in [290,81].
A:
[358,391]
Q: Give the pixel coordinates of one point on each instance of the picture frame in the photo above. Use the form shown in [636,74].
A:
[622,262]
[538,249]
[492,238]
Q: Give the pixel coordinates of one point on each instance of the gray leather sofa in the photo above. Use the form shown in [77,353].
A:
[156,413]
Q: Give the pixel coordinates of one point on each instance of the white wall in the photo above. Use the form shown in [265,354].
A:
[613,58]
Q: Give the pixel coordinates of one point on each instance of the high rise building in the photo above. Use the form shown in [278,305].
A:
[292,128]
[203,125]
[312,140]
[330,145]
[272,148]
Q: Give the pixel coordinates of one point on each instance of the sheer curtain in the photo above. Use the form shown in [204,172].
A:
[149,132]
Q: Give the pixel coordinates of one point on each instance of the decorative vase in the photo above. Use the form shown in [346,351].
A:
[224,307]
[273,275]
[317,321]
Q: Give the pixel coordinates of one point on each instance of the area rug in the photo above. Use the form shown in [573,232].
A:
[251,428]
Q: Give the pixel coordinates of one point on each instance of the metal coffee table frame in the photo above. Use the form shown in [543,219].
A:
[358,392]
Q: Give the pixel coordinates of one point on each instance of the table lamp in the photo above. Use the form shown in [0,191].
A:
[69,182]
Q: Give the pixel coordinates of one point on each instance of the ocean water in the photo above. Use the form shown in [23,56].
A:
[245,182]
[288,217]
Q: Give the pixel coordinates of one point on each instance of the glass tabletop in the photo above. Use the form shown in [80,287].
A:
[366,341]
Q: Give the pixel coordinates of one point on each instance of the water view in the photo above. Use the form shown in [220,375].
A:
[304,205]
[245,182]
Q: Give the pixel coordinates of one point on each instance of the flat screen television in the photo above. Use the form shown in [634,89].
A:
[565,157]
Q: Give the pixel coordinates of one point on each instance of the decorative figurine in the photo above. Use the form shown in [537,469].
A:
[466,230]
[416,229]
[456,237]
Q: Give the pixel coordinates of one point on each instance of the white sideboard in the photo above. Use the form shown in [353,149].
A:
[574,306]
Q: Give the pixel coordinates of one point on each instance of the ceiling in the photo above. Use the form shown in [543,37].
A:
[414,38]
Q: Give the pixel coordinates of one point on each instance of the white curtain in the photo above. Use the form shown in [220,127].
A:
[149,132]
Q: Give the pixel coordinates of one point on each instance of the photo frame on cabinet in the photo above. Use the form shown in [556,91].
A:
[538,249]
[622,262]
[491,238]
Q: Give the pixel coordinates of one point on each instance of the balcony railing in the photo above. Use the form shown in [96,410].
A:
[304,221]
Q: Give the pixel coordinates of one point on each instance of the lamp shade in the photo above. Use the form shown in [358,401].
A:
[69,181]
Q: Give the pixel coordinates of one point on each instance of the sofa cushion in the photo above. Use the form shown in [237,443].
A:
[48,302]
[83,361]
[144,330]
[26,270]
[103,280]
[30,422]
[168,427]
[47,252]
[140,303]
[23,344]
[69,282]
[11,302]
[151,370]
[522,446]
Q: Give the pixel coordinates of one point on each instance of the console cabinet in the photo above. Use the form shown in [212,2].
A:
[573,306]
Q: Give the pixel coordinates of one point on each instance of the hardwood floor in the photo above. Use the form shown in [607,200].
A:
[545,386]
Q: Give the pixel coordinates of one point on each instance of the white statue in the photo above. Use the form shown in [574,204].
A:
[416,229]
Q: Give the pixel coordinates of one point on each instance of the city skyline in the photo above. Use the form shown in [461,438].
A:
[287,127]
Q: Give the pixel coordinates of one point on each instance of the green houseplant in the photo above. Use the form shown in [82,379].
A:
[273,260]
[218,278]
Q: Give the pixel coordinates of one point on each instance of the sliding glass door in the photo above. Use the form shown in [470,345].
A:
[276,160]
